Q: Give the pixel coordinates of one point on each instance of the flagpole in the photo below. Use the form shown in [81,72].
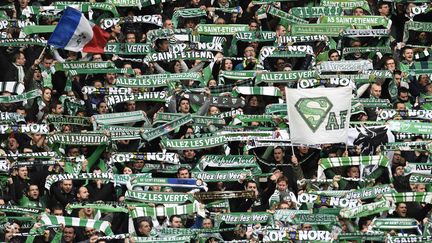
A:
[42,53]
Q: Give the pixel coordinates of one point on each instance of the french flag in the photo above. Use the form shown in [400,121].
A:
[75,33]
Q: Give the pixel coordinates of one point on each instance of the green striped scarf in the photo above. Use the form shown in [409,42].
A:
[352,161]
[366,209]
[398,197]
[103,226]
[393,223]
[167,210]
[266,91]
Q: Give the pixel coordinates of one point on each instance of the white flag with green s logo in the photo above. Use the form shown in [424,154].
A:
[320,115]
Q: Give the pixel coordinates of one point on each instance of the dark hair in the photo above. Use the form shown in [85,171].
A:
[173,216]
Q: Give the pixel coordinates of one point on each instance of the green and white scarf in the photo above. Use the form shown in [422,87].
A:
[352,161]
[330,30]
[101,71]
[398,197]
[23,41]
[366,209]
[421,178]
[145,19]
[227,161]
[128,48]
[251,36]
[418,114]
[20,210]
[327,201]
[374,103]
[24,128]
[51,179]
[166,182]
[344,66]
[369,192]
[103,226]
[157,96]
[167,210]
[356,20]
[366,33]
[166,128]
[393,223]
[74,65]
[171,158]
[266,91]
[157,80]
[101,206]
[187,55]
[221,29]
[314,219]
[315,12]
[198,120]
[221,175]
[36,155]
[120,117]
[74,120]
[78,138]
[244,218]
[286,18]
[22,97]
[346,4]
[223,195]
[193,143]
[169,239]
[106,91]
[410,127]
[158,197]
[408,146]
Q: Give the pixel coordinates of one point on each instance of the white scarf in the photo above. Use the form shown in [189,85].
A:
[21,73]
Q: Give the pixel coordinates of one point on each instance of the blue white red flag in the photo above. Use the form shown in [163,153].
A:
[75,33]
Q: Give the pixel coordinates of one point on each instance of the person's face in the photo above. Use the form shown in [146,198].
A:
[408,55]
[66,186]
[423,80]
[249,52]
[253,101]
[283,206]
[402,210]
[429,88]
[110,78]
[184,106]
[98,84]
[190,24]
[278,155]
[97,58]
[127,171]
[130,38]
[422,37]
[251,186]
[228,66]
[207,224]
[176,222]
[282,186]
[376,91]
[89,232]
[403,96]
[22,172]
[280,64]
[83,193]
[47,63]
[68,234]
[37,75]
[88,211]
[214,110]
[13,144]
[334,56]
[177,67]
[131,106]
[421,188]
[103,108]
[398,79]
[390,65]
[384,10]
[281,31]
[358,12]
[21,60]
[212,83]
[58,109]
[21,112]
[145,228]
[47,95]
[74,152]
[303,149]
[189,154]
[33,192]
[139,164]
[307,227]
[354,172]
[183,174]
[399,171]
[168,24]
[58,212]
[400,106]
[23,3]
[253,26]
